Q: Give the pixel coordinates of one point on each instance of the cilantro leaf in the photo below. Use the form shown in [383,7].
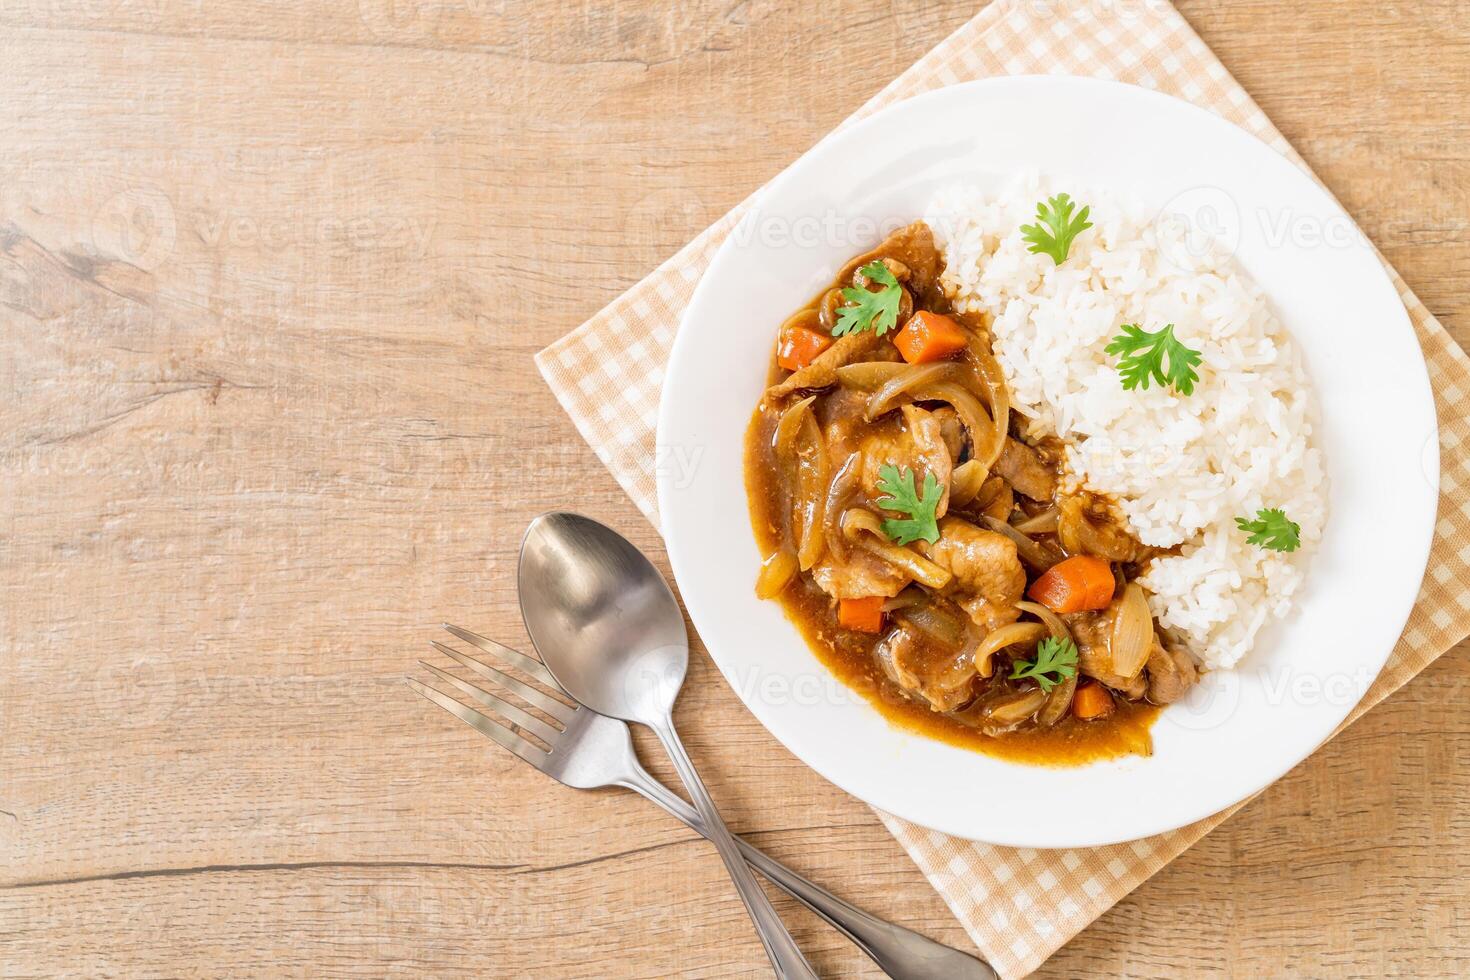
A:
[876,309]
[1143,357]
[1055,239]
[920,523]
[1272,530]
[1054,655]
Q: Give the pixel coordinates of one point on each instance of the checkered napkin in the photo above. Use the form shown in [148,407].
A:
[1021,905]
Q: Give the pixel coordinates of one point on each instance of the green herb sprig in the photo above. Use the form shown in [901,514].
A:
[1157,356]
[875,309]
[1272,530]
[921,523]
[1056,660]
[1056,227]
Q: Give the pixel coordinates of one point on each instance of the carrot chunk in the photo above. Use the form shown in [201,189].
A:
[1091,700]
[929,337]
[1078,583]
[799,346]
[864,615]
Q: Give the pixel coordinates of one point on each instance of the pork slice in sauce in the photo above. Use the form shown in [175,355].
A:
[1171,673]
[1093,633]
[917,446]
[953,431]
[941,677]
[1024,469]
[988,575]
[861,575]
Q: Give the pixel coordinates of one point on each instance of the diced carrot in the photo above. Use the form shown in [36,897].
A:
[865,615]
[929,337]
[1091,700]
[799,346]
[1077,583]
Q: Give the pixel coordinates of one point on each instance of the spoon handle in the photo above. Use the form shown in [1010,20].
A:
[901,953]
[786,958]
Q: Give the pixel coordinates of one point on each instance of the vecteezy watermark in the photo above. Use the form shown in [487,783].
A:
[826,229]
[277,233]
[137,226]
[1206,223]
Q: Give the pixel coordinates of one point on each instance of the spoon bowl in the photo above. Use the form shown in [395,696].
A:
[602,617]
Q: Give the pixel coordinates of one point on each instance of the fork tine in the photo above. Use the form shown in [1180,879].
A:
[513,657]
[533,697]
[505,709]
[527,751]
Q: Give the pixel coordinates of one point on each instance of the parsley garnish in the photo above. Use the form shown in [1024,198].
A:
[1272,530]
[1056,238]
[899,485]
[878,310]
[1143,356]
[1054,655]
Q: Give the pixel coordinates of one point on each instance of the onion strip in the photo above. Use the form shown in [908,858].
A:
[1133,632]
[844,485]
[1031,552]
[1043,523]
[869,375]
[777,571]
[965,482]
[1017,709]
[1058,700]
[998,400]
[1052,620]
[909,379]
[812,481]
[1009,635]
[875,542]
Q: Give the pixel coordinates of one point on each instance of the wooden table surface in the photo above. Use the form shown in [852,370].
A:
[272,277]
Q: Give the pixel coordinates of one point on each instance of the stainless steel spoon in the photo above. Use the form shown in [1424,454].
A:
[611,633]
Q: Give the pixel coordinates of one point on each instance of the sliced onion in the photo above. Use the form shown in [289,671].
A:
[1031,552]
[936,622]
[965,482]
[784,439]
[1052,620]
[1017,709]
[777,571]
[812,483]
[1058,700]
[970,411]
[1133,632]
[1043,523]
[998,399]
[912,377]
[798,442]
[869,375]
[858,520]
[839,494]
[908,597]
[1010,635]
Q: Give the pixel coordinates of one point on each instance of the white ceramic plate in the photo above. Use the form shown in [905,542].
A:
[1239,731]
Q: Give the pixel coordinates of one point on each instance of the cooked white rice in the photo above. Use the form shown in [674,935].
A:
[1182,468]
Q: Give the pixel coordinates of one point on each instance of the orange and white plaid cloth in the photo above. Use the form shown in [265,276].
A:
[1021,905]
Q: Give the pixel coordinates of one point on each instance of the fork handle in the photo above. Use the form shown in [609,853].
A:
[901,953]
[786,958]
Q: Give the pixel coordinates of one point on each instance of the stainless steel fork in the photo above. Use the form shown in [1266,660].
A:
[590,751]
